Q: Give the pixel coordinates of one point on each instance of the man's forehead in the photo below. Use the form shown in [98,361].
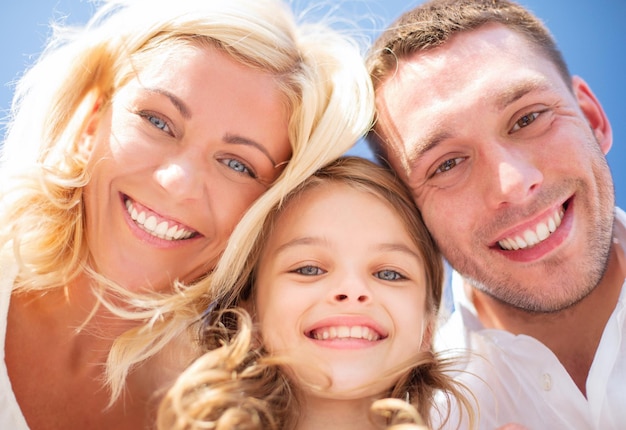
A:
[407,121]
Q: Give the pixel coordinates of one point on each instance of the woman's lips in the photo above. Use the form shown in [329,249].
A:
[155,225]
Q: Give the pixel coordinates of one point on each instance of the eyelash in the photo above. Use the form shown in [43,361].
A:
[396,276]
[318,271]
[456,160]
[152,118]
[300,270]
[526,120]
[228,162]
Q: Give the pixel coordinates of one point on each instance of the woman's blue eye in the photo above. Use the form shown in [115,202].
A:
[309,271]
[388,275]
[159,123]
[239,167]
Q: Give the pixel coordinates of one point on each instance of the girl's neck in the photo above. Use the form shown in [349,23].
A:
[329,414]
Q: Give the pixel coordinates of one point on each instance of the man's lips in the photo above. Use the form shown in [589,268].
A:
[535,234]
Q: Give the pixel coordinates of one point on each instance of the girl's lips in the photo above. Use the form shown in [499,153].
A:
[344,327]
[156,225]
[345,332]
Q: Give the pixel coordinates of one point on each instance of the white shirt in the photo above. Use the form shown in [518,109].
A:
[11,417]
[523,381]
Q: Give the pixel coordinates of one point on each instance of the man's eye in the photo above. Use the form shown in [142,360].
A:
[388,275]
[449,164]
[525,120]
[309,271]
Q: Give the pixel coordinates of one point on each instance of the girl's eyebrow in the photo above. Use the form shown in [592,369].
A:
[310,240]
[399,247]
[300,241]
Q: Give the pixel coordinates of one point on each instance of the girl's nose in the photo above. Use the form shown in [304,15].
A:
[351,288]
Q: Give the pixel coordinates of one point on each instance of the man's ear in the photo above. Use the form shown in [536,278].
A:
[593,111]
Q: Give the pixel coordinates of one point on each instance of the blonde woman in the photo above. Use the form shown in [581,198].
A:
[329,323]
[135,145]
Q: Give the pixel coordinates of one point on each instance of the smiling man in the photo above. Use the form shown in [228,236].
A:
[504,152]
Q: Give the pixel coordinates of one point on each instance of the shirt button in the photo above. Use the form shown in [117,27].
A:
[546,382]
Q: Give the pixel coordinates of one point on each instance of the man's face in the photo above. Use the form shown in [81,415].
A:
[506,164]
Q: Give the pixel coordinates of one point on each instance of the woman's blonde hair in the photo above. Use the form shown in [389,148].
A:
[237,384]
[43,169]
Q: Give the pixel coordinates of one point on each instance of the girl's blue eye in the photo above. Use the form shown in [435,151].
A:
[309,271]
[388,275]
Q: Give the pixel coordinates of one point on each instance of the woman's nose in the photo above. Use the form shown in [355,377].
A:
[181,178]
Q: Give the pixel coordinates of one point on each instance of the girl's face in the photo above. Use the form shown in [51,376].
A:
[341,290]
[181,152]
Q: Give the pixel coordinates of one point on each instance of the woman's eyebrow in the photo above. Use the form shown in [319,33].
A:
[228,138]
[240,140]
[176,101]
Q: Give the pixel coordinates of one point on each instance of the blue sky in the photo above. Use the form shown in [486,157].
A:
[591,34]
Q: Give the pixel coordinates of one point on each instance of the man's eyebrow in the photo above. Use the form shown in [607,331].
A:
[512,94]
[240,140]
[502,100]
[427,143]
[176,101]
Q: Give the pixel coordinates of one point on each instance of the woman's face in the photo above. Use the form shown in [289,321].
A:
[342,294]
[181,152]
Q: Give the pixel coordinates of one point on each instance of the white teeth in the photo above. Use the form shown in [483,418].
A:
[346,332]
[151,224]
[161,230]
[542,231]
[551,225]
[532,237]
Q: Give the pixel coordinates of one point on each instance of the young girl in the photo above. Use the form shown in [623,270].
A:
[343,285]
